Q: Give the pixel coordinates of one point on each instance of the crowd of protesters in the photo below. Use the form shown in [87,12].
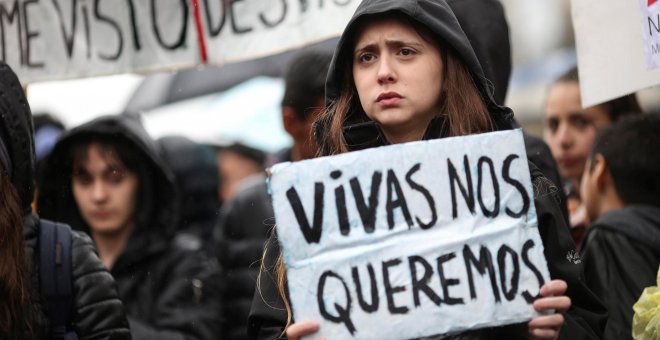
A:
[172,239]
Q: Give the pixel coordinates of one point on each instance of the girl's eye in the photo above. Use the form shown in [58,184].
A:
[366,57]
[552,125]
[406,52]
[82,179]
[115,176]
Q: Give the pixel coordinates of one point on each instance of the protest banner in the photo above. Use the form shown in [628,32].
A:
[63,39]
[618,47]
[411,240]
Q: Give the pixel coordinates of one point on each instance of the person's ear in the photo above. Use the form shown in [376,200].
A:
[290,121]
[600,172]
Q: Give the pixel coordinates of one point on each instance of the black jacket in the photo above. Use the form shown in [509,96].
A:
[585,319]
[621,254]
[169,291]
[97,311]
[243,228]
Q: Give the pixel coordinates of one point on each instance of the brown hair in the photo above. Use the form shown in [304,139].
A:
[463,111]
[14,282]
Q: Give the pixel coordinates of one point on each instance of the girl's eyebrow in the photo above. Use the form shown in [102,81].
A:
[390,43]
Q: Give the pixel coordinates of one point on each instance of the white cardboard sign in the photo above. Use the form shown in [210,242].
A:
[618,46]
[411,240]
[61,39]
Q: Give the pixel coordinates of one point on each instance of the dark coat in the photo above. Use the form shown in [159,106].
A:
[585,319]
[169,291]
[97,311]
[243,228]
[621,254]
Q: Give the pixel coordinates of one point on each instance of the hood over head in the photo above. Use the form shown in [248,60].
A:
[438,17]
[157,210]
[485,25]
[16,137]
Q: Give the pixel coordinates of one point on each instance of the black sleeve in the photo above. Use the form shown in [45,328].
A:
[268,314]
[617,270]
[98,311]
[587,316]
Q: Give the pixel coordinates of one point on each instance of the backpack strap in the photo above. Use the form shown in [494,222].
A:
[55,276]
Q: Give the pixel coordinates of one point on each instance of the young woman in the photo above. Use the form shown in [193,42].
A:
[404,71]
[570,131]
[97,311]
[106,178]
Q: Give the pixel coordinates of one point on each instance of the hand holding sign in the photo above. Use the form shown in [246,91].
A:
[440,234]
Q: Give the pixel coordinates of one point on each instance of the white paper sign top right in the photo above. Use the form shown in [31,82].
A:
[618,47]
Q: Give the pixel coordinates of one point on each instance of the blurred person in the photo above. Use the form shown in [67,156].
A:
[106,178]
[195,170]
[570,130]
[236,162]
[418,49]
[246,220]
[620,189]
[485,25]
[24,312]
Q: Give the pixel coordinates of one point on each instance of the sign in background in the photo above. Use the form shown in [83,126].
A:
[61,39]
[618,46]
[411,240]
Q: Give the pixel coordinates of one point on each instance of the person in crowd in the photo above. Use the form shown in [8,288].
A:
[196,172]
[247,219]
[485,25]
[570,130]
[418,50]
[620,189]
[106,178]
[23,311]
[237,162]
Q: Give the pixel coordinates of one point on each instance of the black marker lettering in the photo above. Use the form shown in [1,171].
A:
[390,291]
[367,211]
[528,263]
[312,234]
[29,35]
[369,308]
[507,178]
[485,263]
[422,284]
[400,202]
[509,294]
[184,26]
[117,28]
[429,199]
[445,282]
[468,193]
[496,188]
[343,312]
[271,24]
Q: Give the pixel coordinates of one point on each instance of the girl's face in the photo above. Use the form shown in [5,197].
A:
[398,76]
[570,130]
[105,191]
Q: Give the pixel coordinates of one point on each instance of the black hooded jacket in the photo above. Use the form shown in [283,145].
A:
[621,254]
[585,319]
[169,292]
[98,312]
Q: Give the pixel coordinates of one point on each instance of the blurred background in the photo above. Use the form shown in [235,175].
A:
[241,102]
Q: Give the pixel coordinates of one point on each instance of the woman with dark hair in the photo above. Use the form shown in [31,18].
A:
[23,311]
[106,178]
[404,71]
[570,130]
